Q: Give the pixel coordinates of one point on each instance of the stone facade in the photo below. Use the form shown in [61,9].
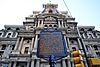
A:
[18,43]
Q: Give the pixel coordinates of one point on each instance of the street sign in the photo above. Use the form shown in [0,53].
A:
[51,42]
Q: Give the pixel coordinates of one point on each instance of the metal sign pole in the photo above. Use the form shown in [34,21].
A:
[52,61]
[51,46]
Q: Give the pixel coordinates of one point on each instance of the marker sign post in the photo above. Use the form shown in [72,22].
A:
[51,46]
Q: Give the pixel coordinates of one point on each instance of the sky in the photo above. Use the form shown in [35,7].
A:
[86,12]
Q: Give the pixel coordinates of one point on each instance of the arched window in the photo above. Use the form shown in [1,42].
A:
[95,47]
[90,29]
[50,25]
[50,11]
[55,25]
[3,47]
[9,28]
[45,26]
[81,29]
[9,34]
[17,29]
[74,48]
[26,50]
[1,34]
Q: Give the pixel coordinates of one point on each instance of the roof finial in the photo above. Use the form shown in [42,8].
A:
[49,1]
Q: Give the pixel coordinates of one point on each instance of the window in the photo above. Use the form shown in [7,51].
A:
[55,25]
[81,29]
[28,41]
[45,26]
[95,47]
[21,64]
[60,22]
[73,48]
[72,42]
[0,34]
[9,33]
[40,21]
[87,47]
[3,47]
[98,54]
[90,29]
[26,50]
[9,28]
[13,47]
[1,54]
[31,26]
[17,29]
[50,25]
[90,35]
[50,11]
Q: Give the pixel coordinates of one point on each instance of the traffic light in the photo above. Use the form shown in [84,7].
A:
[77,58]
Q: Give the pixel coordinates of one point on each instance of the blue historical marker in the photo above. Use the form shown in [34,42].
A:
[51,45]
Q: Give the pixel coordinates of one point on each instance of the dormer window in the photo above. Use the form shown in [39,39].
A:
[17,29]
[90,29]
[3,47]
[9,28]
[9,33]
[81,29]
[0,34]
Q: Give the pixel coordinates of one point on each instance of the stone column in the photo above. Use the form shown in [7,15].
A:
[38,63]
[32,63]
[62,23]
[73,65]
[17,43]
[80,45]
[32,43]
[9,64]
[59,23]
[42,24]
[38,23]
[69,44]
[15,63]
[66,42]
[69,64]
[63,63]
[28,63]
[36,41]
[69,60]
[21,42]
[85,63]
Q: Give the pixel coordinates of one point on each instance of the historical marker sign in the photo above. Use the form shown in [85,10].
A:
[51,42]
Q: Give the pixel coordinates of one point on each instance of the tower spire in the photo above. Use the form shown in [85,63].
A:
[49,1]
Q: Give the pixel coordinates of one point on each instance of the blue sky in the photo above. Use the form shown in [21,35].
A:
[13,12]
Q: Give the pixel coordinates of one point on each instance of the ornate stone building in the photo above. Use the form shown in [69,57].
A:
[18,43]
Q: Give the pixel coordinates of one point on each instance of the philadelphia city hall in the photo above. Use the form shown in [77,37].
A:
[20,44]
